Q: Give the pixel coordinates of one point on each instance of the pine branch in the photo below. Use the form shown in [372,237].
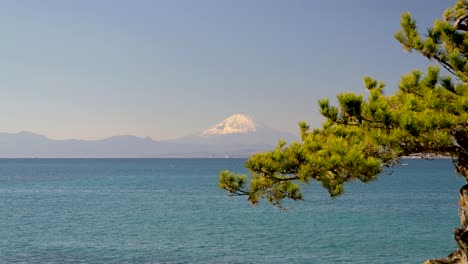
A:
[458,23]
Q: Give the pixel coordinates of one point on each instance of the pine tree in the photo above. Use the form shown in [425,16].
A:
[427,117]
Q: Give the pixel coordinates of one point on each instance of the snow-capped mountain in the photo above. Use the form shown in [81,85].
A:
[239,130]
[235,124]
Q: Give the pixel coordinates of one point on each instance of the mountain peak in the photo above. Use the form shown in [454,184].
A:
[235,124]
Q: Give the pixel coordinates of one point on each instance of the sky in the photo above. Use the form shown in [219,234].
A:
[92,69]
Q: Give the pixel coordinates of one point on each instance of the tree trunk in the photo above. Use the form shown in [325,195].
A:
[459,256]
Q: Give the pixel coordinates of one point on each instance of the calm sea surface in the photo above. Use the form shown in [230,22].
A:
[171,211]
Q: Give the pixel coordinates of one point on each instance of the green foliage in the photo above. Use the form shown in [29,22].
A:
[444,42]
[427,116]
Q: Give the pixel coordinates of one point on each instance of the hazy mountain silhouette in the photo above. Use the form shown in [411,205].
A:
[237,136]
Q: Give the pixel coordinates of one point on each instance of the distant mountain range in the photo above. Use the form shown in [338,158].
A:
[237,136]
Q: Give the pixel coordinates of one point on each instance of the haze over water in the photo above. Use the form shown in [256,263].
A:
[171,211]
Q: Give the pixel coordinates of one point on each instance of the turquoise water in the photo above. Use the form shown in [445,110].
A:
[171,211]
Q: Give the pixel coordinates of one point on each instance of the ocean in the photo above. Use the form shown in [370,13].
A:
[171,211]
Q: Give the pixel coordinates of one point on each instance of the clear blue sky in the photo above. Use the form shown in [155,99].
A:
[90,69]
